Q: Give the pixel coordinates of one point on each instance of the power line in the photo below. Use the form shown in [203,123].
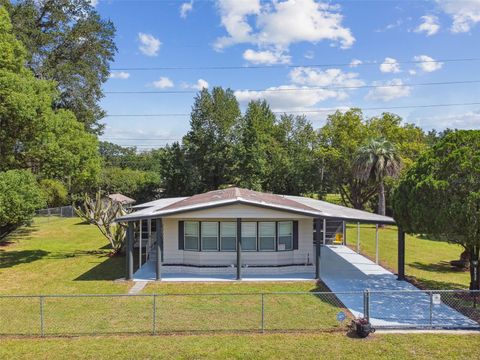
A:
[313,88]
[306,111]
[283,66]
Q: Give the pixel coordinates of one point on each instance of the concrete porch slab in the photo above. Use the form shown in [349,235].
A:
[172,274]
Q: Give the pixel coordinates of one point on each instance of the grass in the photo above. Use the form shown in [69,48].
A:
[251,346]
[59,256]
[426,261]
[64,256]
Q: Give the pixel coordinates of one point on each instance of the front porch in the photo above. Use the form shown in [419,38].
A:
[178,273]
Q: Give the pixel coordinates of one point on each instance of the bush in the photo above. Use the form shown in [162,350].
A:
[20,196]
[54,192]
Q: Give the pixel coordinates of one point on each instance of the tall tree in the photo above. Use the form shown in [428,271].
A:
[374,162]
[69,43]
[209,144]
[255,146]
[294,167]
[178,176]
[440,195]
[339,139]
[53,144]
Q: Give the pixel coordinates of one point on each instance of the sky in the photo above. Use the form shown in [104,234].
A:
[300,55]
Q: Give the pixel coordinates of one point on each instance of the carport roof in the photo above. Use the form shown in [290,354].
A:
[217,198]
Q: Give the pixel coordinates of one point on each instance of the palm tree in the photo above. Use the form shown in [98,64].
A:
[375,161]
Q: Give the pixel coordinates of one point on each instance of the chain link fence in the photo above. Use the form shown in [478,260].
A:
[62,211]
[64,315]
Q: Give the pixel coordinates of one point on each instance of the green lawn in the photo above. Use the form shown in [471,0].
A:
[64,256]
[426,261]
[59,256]
[250,346]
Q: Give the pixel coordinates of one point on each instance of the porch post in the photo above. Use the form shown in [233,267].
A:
[376,244]
[358,238]
[149,241]
[239,249]
[140,245]
[318,223]
[401,254]
[159,241]
[129,252]
[344,232]
[324,231]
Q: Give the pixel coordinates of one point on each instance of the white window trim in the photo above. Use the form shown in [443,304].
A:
[256,235]
[197,223]
[201,236]
[274,237]
[291,235]
[221,235]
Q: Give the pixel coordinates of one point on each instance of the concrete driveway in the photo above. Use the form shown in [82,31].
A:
[393,303]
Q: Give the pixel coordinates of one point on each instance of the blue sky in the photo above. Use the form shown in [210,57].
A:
[376,42]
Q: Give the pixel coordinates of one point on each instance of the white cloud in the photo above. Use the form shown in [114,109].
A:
[233,15]
[308,87]
[281,23]
[391,26]
[465,13]
[390,65]
[123,75]
[330,77]
[309,55]
[289,96]
[389,90]
[94,2]
[428,64]
[185,8]
[429,25]
[163,83]
[355,62]
[149,44]
[199,85]
[468,120]
[266,57]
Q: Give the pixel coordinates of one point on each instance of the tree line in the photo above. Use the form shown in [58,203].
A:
[283,154]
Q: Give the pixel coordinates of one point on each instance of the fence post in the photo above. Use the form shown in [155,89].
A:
[366,304]
[431,308]
[154,312]
[263,314]
[42,328]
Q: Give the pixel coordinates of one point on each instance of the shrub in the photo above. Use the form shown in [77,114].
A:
[20,196]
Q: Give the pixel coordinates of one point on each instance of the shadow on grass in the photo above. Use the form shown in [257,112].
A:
[441,267]
[12,258]
[18,234]
[111,269]
[428,284]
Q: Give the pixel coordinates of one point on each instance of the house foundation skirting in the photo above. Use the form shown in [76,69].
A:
[231,270]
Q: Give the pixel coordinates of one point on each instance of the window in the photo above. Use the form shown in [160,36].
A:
[191,235]
[228,236]
[285,235]
[209,236]
[266,236]
[249,236]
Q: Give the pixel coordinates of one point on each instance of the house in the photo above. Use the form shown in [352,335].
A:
[235,230]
